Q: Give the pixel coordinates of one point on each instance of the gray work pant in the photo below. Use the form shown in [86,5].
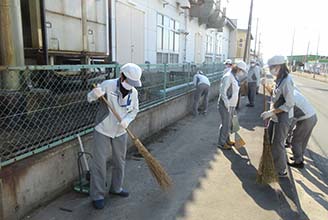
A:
[252,87]
[301,136]
[290,132]
[201,90]
[98,169]
[278,132]
[226,117]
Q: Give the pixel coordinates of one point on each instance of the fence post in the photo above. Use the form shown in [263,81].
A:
[165,79]
[189,72]
[117,70]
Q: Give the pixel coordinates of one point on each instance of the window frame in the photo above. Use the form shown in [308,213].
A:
[171,28]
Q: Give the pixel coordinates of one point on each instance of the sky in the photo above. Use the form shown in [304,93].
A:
[277,21]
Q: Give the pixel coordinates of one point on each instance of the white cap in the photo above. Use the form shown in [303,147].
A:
[228,61]
[242,65]
[276,60]
[133,74]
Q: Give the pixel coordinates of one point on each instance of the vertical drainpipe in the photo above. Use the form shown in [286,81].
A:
[110,55]
[185,35]
[11,42]
[84,30]
[44,32]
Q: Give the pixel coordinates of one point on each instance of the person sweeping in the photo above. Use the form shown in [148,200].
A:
[109,132]
[281,112]
[227,102]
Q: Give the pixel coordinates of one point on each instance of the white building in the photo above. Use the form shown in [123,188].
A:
[169,31]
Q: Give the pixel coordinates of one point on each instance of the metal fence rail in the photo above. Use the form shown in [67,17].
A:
[44,106]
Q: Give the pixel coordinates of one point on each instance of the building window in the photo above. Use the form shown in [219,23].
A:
[209,44]
[219,43]
[168,39]
[208,59]
[167,57]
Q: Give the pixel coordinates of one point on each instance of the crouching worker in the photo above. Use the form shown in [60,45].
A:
[109,133]
[305,120]
[229,90]
[202,89]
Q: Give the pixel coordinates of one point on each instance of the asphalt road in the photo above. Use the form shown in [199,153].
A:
[317,92]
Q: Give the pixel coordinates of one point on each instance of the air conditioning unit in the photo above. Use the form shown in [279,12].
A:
[164,2]
[182,31]
[184,4]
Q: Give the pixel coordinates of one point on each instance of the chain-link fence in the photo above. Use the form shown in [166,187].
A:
[44,106]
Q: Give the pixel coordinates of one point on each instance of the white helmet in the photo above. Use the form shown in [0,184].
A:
[242,65]
[276,60]
[133,74]
[228,61]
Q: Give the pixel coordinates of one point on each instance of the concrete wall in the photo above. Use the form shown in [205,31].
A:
[27,184]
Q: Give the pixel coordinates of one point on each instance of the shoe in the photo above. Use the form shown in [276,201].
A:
[296,165]
[123,193]
[250,105]
[230,143]
[98,204]
[225,147]
[282,175]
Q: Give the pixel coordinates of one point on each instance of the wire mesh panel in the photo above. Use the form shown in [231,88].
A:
[153,80]
[43,106]
[49,104]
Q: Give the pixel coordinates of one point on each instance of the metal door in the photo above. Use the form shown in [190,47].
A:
[130,34]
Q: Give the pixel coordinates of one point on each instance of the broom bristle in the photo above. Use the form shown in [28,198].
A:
[162,178]
[239,142]
[266,173]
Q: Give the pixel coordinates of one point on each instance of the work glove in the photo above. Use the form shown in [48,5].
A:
[124,123]
[274,118]
[98,92]
[267,114]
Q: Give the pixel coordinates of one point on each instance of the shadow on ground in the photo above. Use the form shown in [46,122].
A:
[316,177]
[247,122]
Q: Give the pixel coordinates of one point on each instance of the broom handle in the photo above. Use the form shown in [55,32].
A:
[264,95]
[117,116]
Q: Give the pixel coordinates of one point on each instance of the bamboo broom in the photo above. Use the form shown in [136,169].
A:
[266,172]
[162,178]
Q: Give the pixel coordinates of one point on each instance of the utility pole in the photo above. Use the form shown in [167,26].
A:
[318,49]
[307,52]
[257,25]
[317,70]
[291,53]
[260,43]
[246,52]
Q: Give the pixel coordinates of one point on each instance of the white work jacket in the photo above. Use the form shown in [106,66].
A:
[229,84]
[283,95]
[201,79]
[254,75]
[302,109]
[126,107]
[227,69]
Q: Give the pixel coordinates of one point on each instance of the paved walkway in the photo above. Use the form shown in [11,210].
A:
[208,183]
